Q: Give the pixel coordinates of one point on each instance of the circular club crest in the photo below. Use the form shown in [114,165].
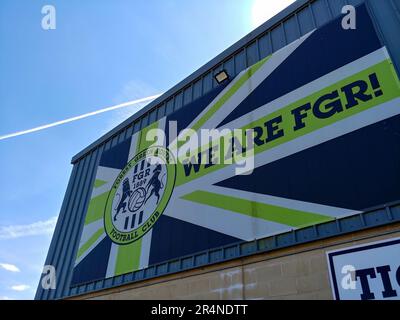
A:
[139,195]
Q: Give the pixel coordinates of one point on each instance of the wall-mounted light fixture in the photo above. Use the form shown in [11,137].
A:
[221,76]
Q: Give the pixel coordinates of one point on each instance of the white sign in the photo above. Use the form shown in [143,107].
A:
[366,272]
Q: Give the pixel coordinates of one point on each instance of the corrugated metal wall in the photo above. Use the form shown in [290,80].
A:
[300,18]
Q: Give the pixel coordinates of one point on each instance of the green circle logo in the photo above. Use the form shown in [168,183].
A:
[139,195]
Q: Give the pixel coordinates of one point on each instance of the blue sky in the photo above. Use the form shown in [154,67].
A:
[101,53]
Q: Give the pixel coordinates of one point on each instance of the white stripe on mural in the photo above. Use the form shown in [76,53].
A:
[224,221]
[252,84]
[112,260]
[102,189]
[311,88]
[94,245]
[283,202]
[276,59]
[133,147]
[105,174]
[89,230]
[205,110]
[162,125]
[145,250]
[317,85]
[146,240]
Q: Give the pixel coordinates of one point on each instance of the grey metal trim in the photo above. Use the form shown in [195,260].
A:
[375,217]
[69,259]
[59,224]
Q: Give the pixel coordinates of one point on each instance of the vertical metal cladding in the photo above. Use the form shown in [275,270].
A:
[303,17]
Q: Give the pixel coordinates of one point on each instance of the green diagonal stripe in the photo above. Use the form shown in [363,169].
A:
[96,208]
[290,217]
[142,142]
[98,183]
[246,76]
[228,94]
[90,242]
[128,257]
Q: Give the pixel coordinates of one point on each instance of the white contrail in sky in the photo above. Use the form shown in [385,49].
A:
[93,113]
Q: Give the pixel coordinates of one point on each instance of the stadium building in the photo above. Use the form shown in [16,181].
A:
[316,89]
